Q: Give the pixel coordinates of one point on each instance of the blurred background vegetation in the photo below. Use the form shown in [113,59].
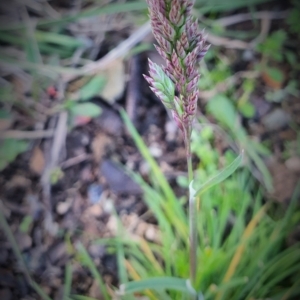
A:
[94,196]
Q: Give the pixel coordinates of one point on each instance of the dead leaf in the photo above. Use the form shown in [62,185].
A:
[115,80]
[37,161]
[99,145]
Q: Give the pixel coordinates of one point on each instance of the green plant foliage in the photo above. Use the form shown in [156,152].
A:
[271,48]
[85,109]
[217,178]
[224,111]
[293,18]
[163,283]
[92,88]
[9,150]
[26,224]
[86,260]
[238,246]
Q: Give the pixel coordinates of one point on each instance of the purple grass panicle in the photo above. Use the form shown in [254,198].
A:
[182,46]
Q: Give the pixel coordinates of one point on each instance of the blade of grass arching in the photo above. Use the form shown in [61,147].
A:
[220,176]
[122,275]
[58,39]
[294,290]
[280,276]
[292,207]
[68,281]
[148,157]
[154,202]
[240,249]
[149,254]
[232,284]
[157,173]
[160,283]
[6,229]
[86,259]
[164,210]
[271,241]
[167,221]
[113,8]
[279,267]
[79,297]
[11,39]
[134,274]
[223,213]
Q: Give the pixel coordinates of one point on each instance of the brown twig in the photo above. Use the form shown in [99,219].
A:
[117,52]
[19,134]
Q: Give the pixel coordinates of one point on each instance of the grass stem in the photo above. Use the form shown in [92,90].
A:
[192,215]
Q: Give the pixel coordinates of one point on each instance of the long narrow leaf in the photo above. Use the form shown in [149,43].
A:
[6,229]
[90,264]
[219,177]
[159,283]
[68,281]
[91,12]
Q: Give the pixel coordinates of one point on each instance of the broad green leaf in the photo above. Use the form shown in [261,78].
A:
[9,150]
[158,283]
[92,88]
[218,178]
[86,109]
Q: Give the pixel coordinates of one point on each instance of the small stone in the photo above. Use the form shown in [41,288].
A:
[151,233]
[94,192]
[63,207]
[155,150]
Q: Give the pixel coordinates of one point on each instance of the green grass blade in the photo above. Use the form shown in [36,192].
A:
[6,229]
[160,283]
[68,281]
[173,207]
[86,260]
[79,297]
[92,88]
[219,177]
[148,157]
[58,39]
